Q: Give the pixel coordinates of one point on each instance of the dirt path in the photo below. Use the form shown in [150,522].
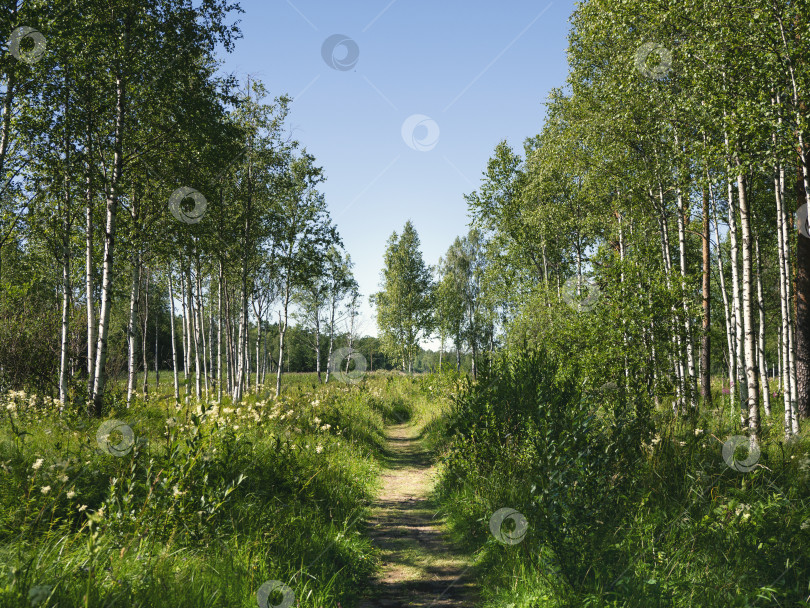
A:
[420,567]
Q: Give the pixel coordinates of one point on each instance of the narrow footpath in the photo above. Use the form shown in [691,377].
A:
[420,569]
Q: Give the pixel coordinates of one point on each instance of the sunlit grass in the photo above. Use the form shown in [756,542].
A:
[208,501]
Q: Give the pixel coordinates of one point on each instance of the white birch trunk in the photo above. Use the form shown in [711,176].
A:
[691,387]
[201,331]
[751,373]
[174,340]
[729,318]
[134,297]
[282,331]
[100,376]
[741,389]
[763,367]
[219,335]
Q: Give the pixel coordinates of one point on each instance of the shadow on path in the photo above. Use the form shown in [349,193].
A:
[420,567]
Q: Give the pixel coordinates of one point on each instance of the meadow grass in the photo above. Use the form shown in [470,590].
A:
[204,505]
[213,500]
[671,524]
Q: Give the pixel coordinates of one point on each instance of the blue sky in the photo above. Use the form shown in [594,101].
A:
[476,73]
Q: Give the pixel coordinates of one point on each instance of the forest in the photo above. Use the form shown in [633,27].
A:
[596,396]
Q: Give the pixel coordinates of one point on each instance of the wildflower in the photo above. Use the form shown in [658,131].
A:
[319,449]
[176,491]
[743,509]
[37,464]
[45,489]
[63,478]
[71,493]
[698,432]
[82,508]
[317,420]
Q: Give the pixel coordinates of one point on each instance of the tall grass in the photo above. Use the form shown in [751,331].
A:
[210,501]
[625,506]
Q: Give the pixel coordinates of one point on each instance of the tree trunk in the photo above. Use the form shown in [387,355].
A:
[134,298]
[802,354]
[729,318]
[751,371]
[157,364]
[240,356]
[194,333]
[219,335]
[100,376]
[666,253]
[144,334]
[333,304]
[318,344]
[185,337]
[740,384]
[763,369]
[88,279]
[174,341]
[802,301]
[691,387]
[282,331]
[705,346]
[66,289]
[201,330]
[229,368]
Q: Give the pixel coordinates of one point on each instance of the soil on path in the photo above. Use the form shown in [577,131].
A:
[421,568]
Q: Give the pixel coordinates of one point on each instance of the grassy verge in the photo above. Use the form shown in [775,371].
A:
[201,505]
[624,505]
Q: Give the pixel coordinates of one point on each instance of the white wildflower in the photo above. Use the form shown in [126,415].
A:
[37,464]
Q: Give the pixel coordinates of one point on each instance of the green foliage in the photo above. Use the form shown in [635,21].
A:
[617,516]
[211,501]
[405,302]
[547,450]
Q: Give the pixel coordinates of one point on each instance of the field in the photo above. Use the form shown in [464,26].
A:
[384,492]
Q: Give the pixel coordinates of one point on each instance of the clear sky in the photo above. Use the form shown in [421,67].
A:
[467,74]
